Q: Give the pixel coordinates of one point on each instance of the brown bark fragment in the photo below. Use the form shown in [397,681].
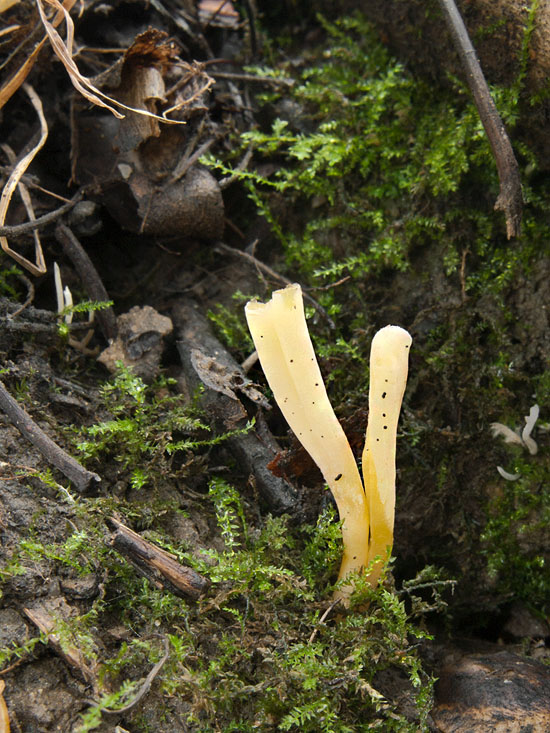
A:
[160,567]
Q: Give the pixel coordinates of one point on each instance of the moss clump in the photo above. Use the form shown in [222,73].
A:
[516,539]
[148,430]
[259,651]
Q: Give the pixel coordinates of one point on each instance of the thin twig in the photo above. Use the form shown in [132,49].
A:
[234,76]
[322,620]
[510,198]
[275,275]
[145,687]
[7,323]
[30,294]
[243,165]
[90,278]
[188,151]
[18,229]
[80,477]
[184,166]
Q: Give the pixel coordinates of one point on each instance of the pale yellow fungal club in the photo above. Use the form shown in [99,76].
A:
[284,347]
[389,363]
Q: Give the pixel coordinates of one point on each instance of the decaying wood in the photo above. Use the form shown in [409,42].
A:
[71,468]
[510,198]
[160,567]
[89,276]
[205,361]
[45,618]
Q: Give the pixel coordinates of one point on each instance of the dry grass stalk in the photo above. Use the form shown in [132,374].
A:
[38,267]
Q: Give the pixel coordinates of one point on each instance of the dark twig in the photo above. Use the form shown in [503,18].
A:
[160,567]
[234,76]
[90,278]
[510,199]
[250,14]
[18,229]
[275,275]
[30,294]
[51,329]
[243,165]
[187,162]
[80,477]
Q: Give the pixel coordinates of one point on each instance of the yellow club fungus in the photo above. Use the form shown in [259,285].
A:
[280,334]
[389,361]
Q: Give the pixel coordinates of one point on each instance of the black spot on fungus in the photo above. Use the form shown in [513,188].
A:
[316,384]
[384,395]
[383,414]
[377,440]
[337,478]
[313,402]
[291,361]
[385,427]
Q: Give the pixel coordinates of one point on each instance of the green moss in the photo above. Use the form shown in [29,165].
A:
[230,326]
[516,537]
[149,430]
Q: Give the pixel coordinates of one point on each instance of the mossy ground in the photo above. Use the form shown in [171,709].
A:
[378,190]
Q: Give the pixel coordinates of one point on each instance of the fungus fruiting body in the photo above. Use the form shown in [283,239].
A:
[280,334]
[284,347]
[389,362]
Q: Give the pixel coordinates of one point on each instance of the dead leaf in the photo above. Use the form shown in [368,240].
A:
[7,4]
[64,52]
[226,381]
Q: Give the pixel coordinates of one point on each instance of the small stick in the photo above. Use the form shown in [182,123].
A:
[243,165]
[275,275]
[510,199]
[77,474]
[18,229]
[90,278]
[251,78]
[41,617]
[20,326]
[30,294]
[158,566]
